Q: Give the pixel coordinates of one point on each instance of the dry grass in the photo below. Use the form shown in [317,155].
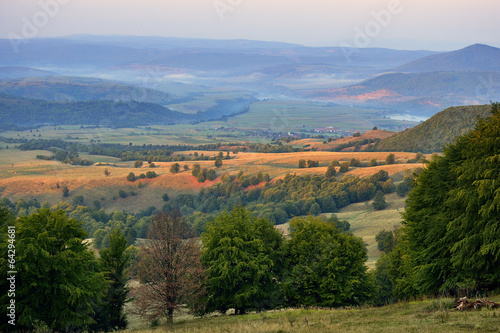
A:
[422,317]
[21,174]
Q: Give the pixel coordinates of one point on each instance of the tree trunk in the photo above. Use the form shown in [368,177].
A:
[170,316]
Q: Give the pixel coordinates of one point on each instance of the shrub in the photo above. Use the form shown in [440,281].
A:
[131,177]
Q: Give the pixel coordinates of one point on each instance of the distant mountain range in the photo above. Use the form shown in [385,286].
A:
[477,57]
[467,76]
[404,82]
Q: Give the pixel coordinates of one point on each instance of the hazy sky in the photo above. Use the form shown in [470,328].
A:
[401,24]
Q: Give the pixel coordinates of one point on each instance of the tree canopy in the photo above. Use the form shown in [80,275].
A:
[242,257]
[60,282]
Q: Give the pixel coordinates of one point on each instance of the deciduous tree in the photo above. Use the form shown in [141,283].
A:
[59,280]
[169,268]
[242,255]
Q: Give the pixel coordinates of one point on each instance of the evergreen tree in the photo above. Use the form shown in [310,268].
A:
[452,223]
[114,262]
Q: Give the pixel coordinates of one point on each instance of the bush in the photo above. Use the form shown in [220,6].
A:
[211,175]
[165,197]
[131,177]
[138,164]
[391,159]
[152,165]
[151,174]
[122,194]
[344,167]
[302,164]
[196,170]
[78,200]
[175,168]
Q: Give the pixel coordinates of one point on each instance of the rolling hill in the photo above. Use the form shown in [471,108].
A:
[477,57]
[18,112]
[433,134]
[15,72]
[64,88]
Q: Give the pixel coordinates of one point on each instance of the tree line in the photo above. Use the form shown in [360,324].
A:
[242,263]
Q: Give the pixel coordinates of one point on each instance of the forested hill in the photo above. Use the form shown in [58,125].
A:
[21,112]
[433,134]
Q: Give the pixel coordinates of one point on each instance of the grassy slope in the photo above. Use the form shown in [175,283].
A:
[419,316]
[433,134]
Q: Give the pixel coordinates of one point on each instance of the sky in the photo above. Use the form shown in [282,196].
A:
[399,24]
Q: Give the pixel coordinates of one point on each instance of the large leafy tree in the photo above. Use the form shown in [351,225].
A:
[326,266]
[453,216]
[242,257]
[58,278]
[169,268]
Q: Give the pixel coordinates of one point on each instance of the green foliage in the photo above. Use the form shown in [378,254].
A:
[151,174]
[131,177]
[218,162]
[404,187]
[196,170]
[211,175]
[390,159]
[452,220]
[114,261]
[78,200]
[138,164]
[302,164]
[373,163]
[379,201]
[385,241]
[242,255]
[122,194]
[59,279]
[65,191]
[344,167]
[326,267]
[354,162]
[165,197]
[312,164]
[175,168]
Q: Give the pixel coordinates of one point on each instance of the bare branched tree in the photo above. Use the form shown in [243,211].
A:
[169,269]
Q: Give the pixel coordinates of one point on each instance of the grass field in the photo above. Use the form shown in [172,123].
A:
[21,174]
[430,315]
